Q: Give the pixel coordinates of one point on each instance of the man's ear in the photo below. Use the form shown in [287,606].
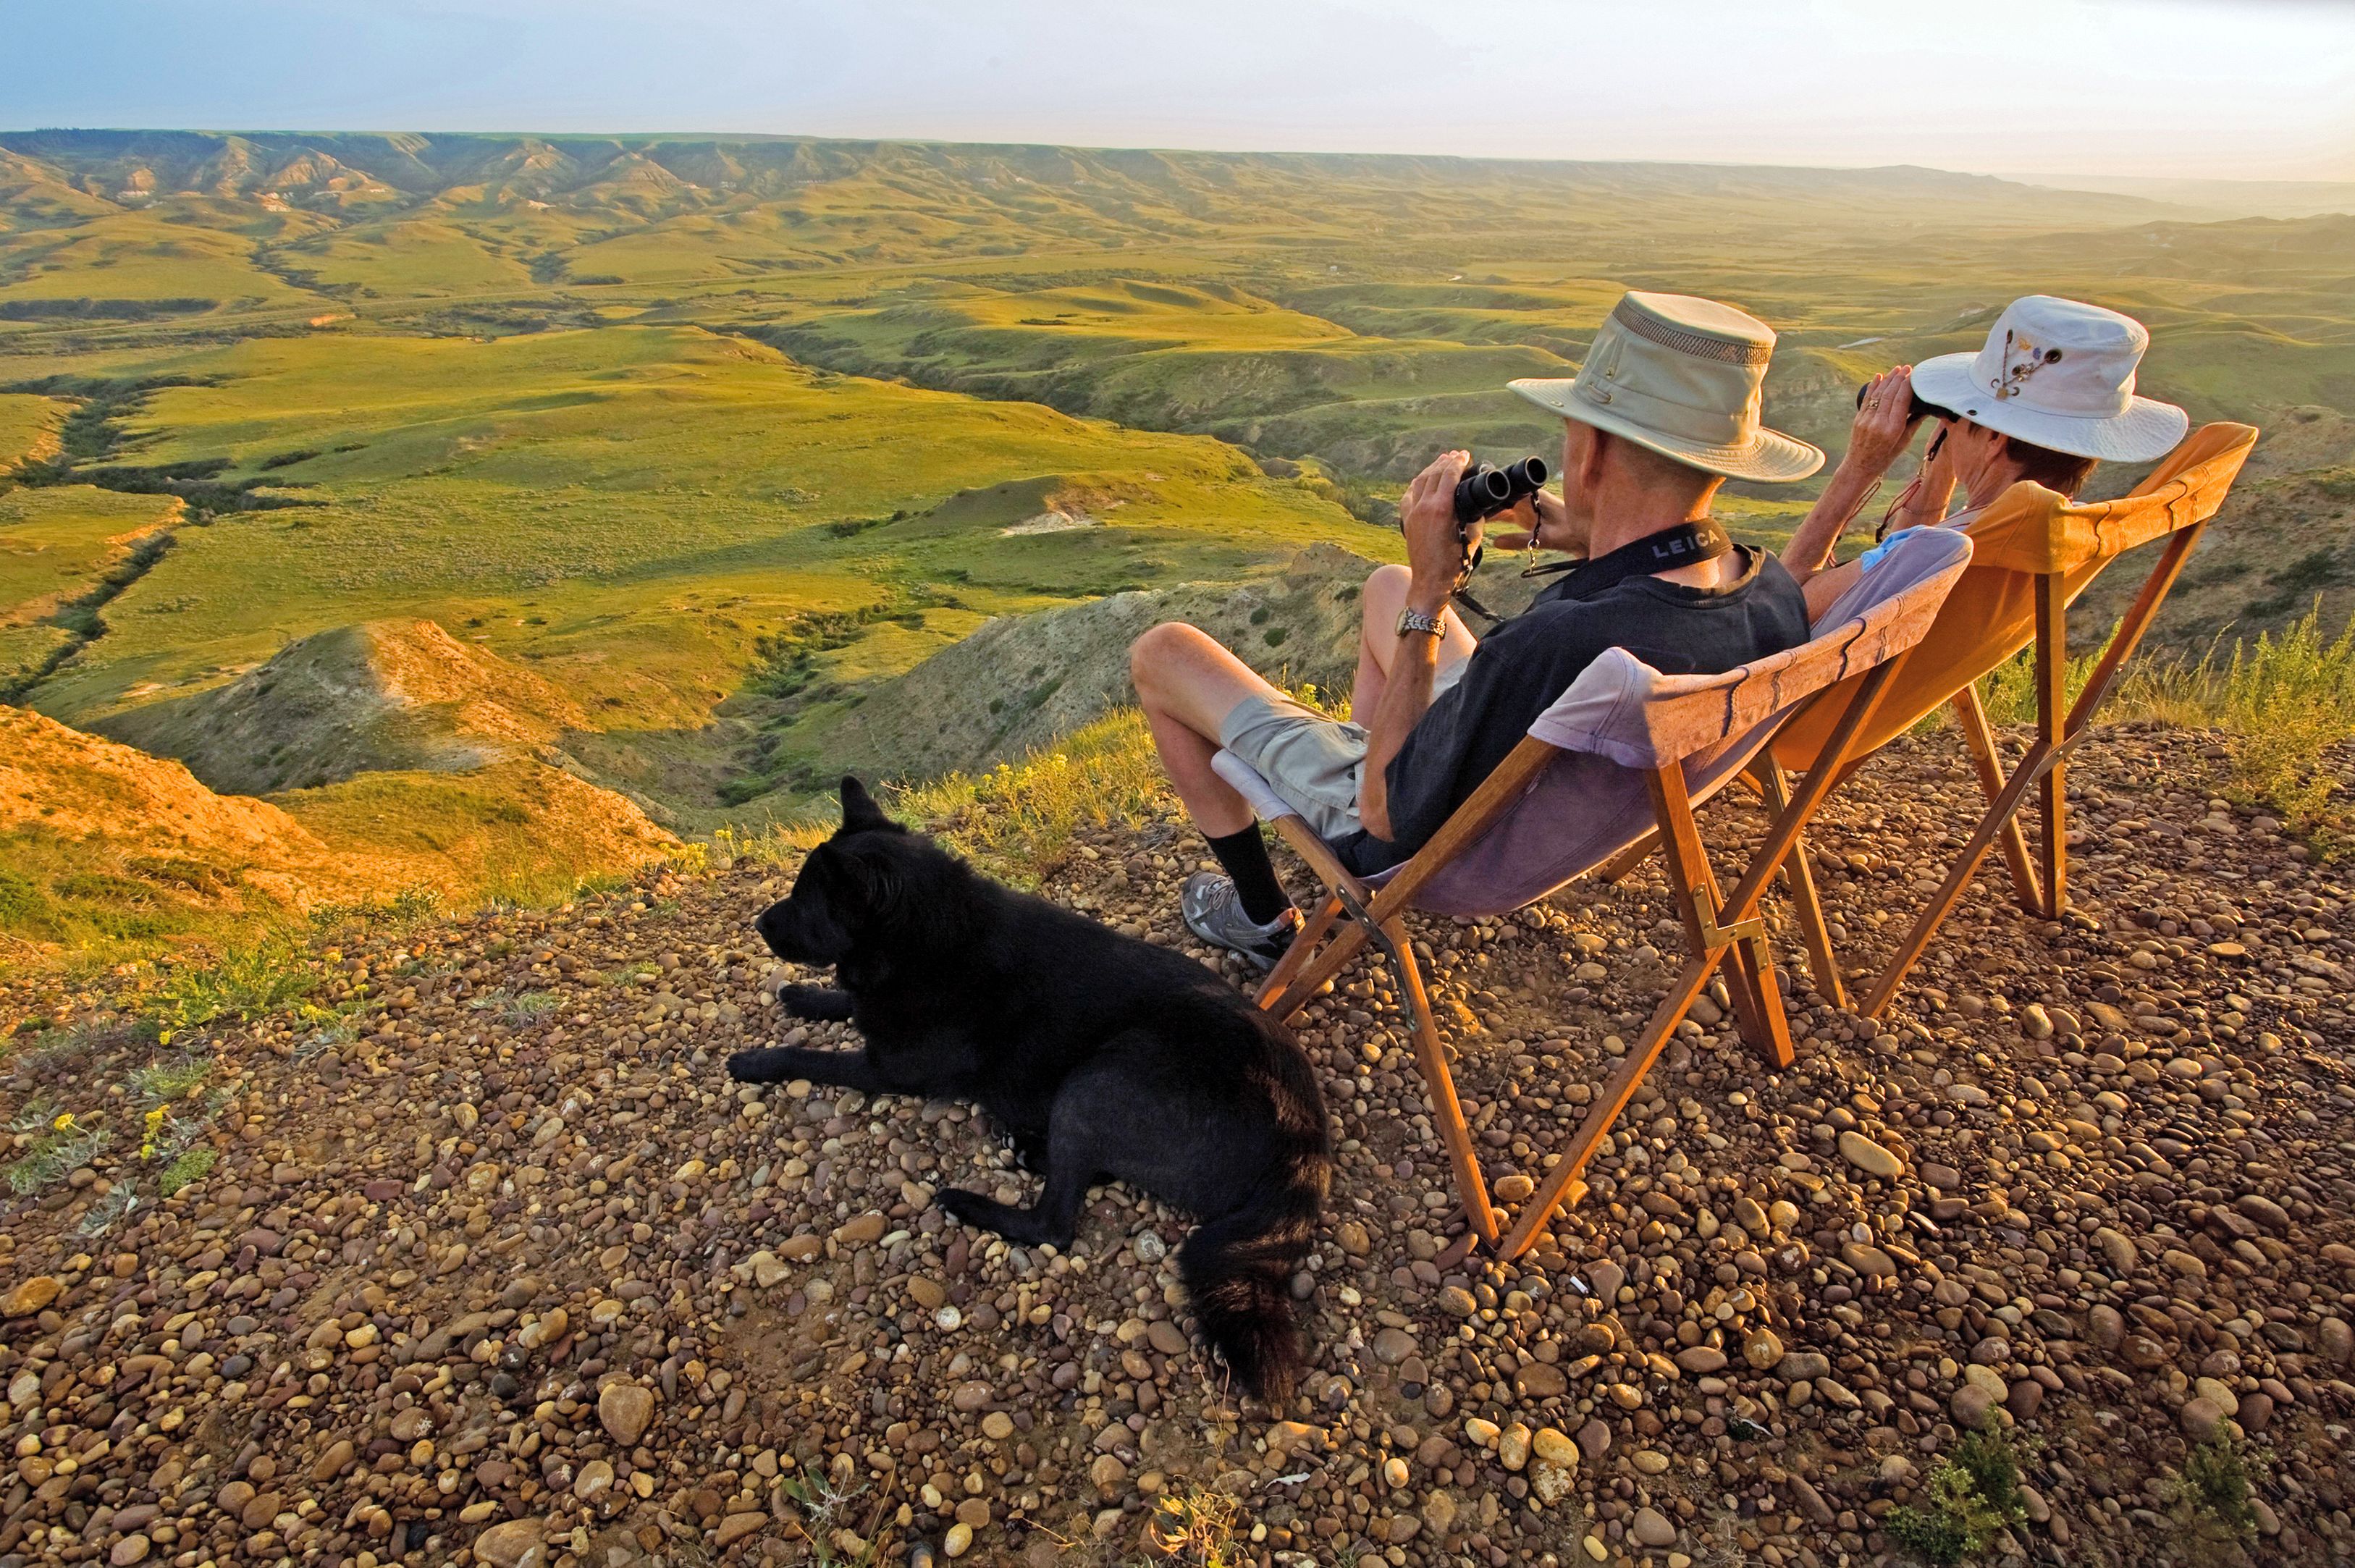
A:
[859,811]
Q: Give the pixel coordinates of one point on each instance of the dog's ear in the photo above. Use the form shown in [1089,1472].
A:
[859,811]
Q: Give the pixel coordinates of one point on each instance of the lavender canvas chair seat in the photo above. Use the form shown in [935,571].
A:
[1623,755]
[1621,718]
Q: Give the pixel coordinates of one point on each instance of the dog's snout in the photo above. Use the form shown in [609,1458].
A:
[773,924]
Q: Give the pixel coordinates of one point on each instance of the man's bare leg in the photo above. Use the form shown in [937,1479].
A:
[1188,684]
[1384,597]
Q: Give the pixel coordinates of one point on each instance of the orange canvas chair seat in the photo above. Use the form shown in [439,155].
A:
[2034,553]
[1624,751]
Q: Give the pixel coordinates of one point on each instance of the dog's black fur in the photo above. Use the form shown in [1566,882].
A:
[1102,1055]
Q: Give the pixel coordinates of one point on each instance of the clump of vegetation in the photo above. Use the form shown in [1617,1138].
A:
[1973,1495]
[2211,1498]
[2282,702]
[825,1522]
[61,1144]
[242,983]
[1194,1527]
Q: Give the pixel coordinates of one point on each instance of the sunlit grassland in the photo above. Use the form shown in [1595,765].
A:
[631,507]
[137,256]
[27,426]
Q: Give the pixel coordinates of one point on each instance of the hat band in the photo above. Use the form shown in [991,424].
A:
[1699,345]
[1656,415]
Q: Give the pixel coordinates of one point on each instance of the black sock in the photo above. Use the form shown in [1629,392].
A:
[1244,855]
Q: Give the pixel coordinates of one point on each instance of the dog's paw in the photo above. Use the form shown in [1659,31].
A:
[755,1066]
[819,1004]
[965,1207]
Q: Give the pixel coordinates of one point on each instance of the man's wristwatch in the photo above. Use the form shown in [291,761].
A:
[1416,620]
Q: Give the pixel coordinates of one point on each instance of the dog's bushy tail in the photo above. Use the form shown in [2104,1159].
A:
[1237,1269]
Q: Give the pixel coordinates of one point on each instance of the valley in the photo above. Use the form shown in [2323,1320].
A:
[651,474]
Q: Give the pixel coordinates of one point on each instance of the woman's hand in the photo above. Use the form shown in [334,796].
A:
[1881,429]
[1927,499]
[1434,555]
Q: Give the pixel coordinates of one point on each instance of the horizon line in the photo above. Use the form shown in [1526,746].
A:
[2011,177]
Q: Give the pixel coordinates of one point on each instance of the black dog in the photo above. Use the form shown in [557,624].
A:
[1102,1055]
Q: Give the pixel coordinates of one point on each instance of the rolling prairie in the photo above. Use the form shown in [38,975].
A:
[722,435]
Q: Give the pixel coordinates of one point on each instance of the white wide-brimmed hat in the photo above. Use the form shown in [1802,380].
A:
[1681,376]
[2059,373]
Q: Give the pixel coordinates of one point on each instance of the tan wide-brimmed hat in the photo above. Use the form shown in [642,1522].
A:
[1681,375]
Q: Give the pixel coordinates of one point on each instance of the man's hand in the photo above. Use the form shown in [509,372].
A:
[1881,429]
[1434,556]
[1541,516]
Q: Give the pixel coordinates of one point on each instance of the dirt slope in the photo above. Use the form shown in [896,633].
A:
[377,697]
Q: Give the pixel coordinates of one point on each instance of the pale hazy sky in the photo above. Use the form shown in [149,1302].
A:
[2252,88]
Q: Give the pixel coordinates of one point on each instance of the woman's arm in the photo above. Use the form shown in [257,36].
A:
[1881,432]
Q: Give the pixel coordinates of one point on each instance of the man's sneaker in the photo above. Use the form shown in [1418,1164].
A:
[1213,913]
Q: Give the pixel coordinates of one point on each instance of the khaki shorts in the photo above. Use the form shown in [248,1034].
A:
[1310,758]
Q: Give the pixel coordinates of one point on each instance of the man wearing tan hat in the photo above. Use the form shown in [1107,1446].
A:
[1663,410]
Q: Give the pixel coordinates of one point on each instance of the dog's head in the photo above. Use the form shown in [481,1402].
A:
[849,887]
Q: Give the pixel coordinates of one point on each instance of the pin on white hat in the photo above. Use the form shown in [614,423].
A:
[2060,374]
[1681,375]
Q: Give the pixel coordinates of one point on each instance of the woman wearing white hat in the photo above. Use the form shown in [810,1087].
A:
[2050,396]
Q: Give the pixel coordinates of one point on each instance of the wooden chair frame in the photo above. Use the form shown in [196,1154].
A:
[2041,882]
[1717,927]
[2039,878]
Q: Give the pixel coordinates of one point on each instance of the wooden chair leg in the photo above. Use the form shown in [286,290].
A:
[1766,1025]
[1329,963]
[2051,710]
[2030,770]
[1978,736]
[1624,864]
[1304,948]
[1565,1183]
[1439,1083]
[1807,903]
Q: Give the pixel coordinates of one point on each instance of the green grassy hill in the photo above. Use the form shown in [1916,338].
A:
[720,437]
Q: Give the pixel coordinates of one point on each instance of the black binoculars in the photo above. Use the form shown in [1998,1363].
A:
[1917,411]
[1485,491]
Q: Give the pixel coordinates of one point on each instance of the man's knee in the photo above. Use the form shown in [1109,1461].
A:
[1158,649]
[1385,591]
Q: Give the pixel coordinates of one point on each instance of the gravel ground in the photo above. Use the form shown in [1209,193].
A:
[510,1273]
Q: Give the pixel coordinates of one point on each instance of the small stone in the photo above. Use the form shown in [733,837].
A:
[514,1544]
[927,1294]
[625,1410]
[1457,1302]
[1702,1360]
[1973,1406]
[1653,1529]
[1539,1380]
[1353,1238]
[1167,1338]
[129,1549]
[997,1426]
[968,1397]
[30,1296]
[1870,1158]
[1513,1189]
[2202,1419]
[2338,1340]
[861,1231]
[959,1540]
[2116,1250]
[735,1527]
[1762,1350]
[1392,1346]
[1513,1447]
[1606,1277]
[1554,1448]
[333,1462]
[2256,1412]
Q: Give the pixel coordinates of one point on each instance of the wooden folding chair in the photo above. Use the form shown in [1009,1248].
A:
[2034,553]
[1623,750]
